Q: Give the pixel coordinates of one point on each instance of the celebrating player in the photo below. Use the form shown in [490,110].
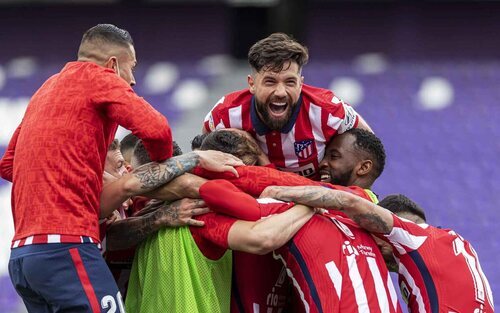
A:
[291,121]
[68,126]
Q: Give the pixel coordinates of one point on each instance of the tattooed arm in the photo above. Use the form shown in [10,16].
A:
[129,232]
[366,214]
[153,175]
[185,186]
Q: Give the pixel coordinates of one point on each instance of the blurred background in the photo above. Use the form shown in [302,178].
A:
[425,75]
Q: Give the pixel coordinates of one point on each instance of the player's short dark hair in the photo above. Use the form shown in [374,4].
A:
[128,142]
[274,51]
[108,33]
[197,141]
[369,143]
[177,148]
[115,145]
[142,155]
[233,143]
[401,204]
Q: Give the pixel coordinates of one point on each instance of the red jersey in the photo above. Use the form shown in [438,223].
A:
[337,267]
[439,271]
[223,197]
[259,282]
[300,146]
[56,156]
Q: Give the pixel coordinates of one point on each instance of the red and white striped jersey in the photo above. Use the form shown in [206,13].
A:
[336,266]
[439,271]
[300,145]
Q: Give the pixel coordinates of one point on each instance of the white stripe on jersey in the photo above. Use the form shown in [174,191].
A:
[414,289]
[319,137]
[335,276]
[256,308]
[221,100]
[268,200]
[29,240]
[379,285]
[400,237]
[357,284]
[333,121]
[392,292]
[261,140]
[288,148]
[16,243]
[53,238]
[235,120]
[277,256]
[220,125]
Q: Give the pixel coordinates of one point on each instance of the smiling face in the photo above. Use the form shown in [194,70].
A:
[340,162]
[276,94]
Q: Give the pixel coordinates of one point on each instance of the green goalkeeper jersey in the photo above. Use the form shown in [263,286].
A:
[171,274]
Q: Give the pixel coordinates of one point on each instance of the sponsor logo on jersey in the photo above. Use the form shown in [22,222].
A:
[348,249]
[304,148]
[350,117]
[306,170]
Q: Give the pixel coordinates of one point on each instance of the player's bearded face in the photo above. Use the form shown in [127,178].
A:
[276,94]
[336,177]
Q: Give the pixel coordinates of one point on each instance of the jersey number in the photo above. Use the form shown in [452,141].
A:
[109,302]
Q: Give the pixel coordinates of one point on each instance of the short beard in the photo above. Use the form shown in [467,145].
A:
[341,180]
[269,121]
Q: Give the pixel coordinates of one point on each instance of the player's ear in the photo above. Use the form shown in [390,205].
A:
[251,84]
[112,63]
[364,167]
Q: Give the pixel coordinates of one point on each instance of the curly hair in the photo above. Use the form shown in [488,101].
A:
[370,144]
[402,204]
[275,51]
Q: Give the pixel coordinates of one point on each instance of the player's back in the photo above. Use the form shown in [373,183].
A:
[442,273]
[59,155]
[337,267]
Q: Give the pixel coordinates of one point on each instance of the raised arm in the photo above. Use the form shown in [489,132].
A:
[152,175]
[270,233]
[368,215]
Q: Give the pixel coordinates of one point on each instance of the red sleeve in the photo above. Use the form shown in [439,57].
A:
[7,161]
[254,179]
[214,233]
[223,197]
[126,108]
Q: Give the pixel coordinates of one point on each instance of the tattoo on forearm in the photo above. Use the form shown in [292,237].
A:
[371,222]
[153,175]
[132,231]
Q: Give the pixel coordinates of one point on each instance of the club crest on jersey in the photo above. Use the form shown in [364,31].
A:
[304,148]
